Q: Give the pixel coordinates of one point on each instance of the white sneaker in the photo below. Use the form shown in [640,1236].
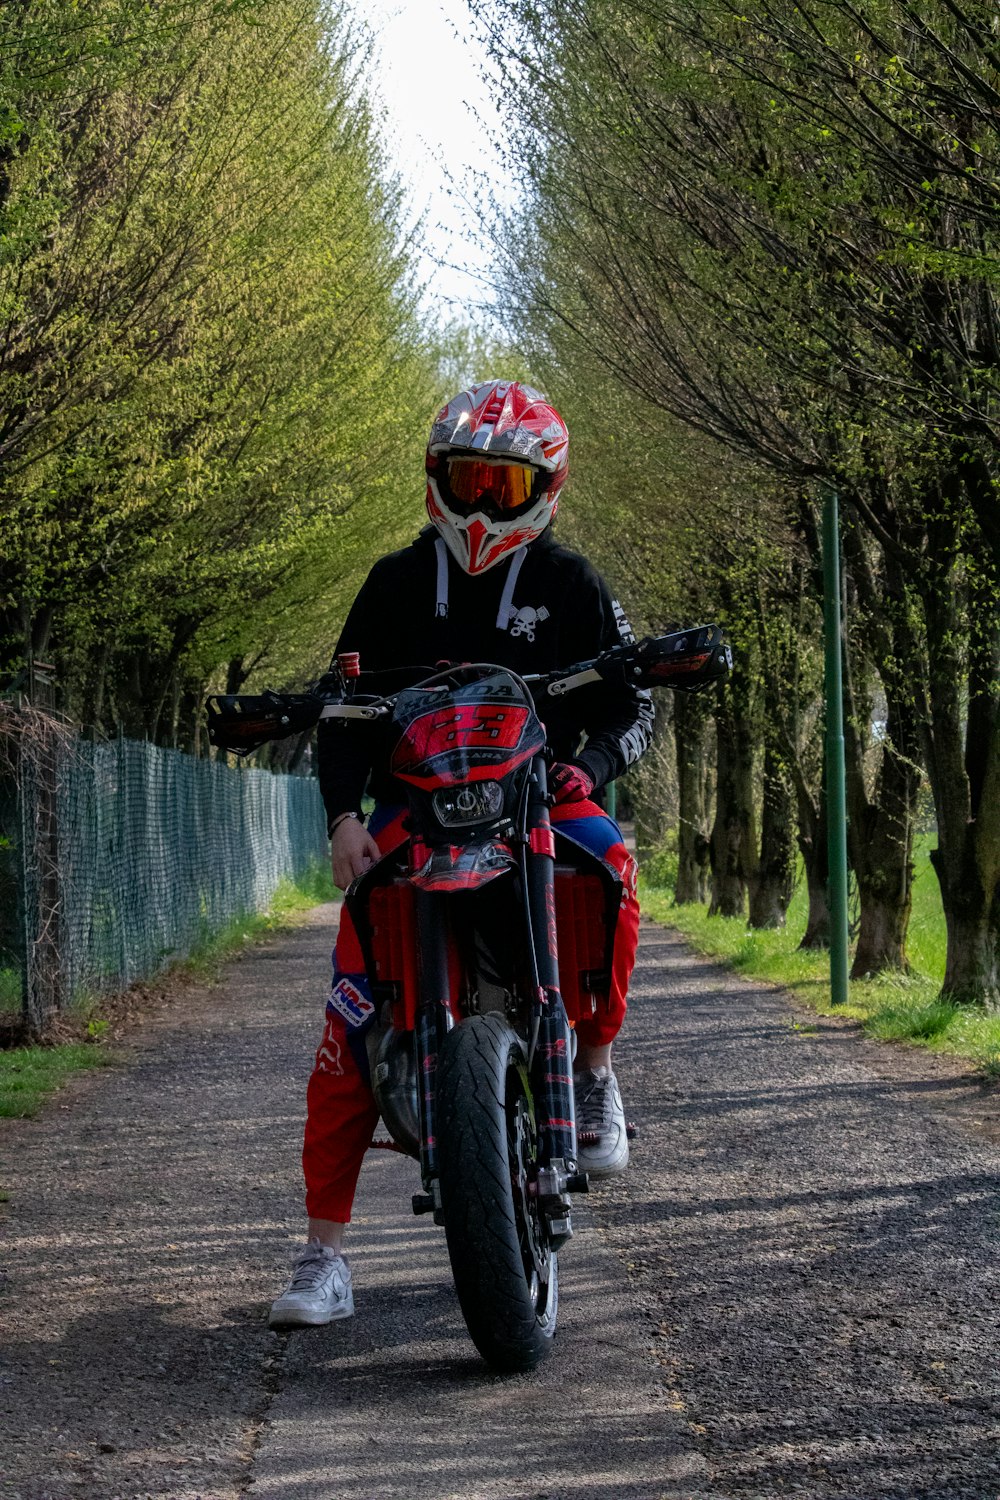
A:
[600,1123]
[319,1291]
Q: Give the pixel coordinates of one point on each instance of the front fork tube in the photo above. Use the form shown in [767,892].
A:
[434,1018]
[552,1064]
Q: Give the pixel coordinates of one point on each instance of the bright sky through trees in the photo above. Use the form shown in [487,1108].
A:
[440,113]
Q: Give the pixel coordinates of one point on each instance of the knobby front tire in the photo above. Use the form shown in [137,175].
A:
[505,1276]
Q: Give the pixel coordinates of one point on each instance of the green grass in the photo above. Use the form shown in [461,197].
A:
[291,900]
[893,1007]
[29,1074]
[9,996]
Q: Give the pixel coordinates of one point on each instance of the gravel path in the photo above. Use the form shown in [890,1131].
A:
[823,1246]
[793,1291]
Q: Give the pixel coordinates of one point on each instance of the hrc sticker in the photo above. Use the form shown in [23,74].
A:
[353,1004]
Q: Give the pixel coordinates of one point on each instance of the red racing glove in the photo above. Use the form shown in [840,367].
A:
[569,783]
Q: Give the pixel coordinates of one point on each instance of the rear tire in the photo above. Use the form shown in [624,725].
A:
[505,1274]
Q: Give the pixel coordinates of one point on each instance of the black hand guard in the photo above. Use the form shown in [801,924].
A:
[686,660]
[242,723]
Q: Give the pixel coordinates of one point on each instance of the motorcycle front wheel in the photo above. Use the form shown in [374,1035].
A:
[505,1274]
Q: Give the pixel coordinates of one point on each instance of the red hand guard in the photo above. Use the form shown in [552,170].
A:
[570,783]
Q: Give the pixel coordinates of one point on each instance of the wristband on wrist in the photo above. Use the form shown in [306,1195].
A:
[340,819]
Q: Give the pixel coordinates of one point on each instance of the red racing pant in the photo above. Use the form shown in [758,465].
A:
[341,1113]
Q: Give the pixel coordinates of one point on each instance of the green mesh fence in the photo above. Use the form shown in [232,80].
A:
[134,855]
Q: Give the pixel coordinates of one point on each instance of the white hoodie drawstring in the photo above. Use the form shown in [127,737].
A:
[441,612]
[505,613]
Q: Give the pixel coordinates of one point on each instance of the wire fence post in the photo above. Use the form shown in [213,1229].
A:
[38,750]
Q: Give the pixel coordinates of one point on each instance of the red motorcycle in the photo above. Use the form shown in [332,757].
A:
[486,936]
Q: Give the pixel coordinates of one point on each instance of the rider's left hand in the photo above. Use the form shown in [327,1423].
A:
[570,783]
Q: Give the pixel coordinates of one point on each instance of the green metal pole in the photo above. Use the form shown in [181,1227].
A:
[835,776]
[612,800]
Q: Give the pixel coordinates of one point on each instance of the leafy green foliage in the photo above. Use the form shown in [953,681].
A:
[780,230]
[658,868]
[212,380]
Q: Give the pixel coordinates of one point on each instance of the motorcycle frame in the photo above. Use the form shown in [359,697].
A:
[544,1022]
[549,1042]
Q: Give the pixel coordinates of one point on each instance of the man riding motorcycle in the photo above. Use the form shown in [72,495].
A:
[486,581]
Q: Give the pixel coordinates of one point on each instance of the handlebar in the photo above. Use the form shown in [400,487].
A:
[685,661]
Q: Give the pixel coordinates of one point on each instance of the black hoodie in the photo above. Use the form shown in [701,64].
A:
[417,607]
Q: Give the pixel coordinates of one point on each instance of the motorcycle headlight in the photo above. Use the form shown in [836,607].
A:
[478,802]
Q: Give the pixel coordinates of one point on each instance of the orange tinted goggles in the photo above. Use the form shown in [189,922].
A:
[501,487]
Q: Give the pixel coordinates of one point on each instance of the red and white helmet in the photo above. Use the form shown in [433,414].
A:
[496,461]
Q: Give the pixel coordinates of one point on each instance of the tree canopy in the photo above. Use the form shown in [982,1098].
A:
[777,228]
[213,381]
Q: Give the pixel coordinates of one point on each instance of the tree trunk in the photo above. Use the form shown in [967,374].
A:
[965,773]
[189,718]
[691,711]
[967,862]
[652,787]
[794,744]
[301,746]
[733,841]
[236,674]
[883,866]
[144,682]
[880,827]
[773,875]
[812,841]
[99,678]
[972,967]
[130,674]
[773,879]
[39,630]
[881,840]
